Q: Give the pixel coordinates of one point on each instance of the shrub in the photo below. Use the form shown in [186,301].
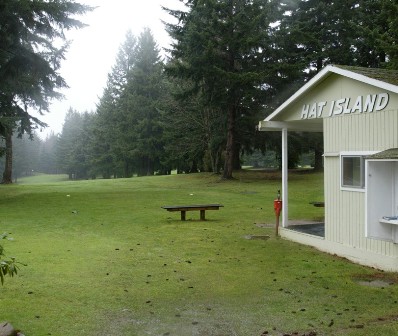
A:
[8,266]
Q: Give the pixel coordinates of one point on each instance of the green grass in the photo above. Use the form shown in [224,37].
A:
[42,179]
[107,260]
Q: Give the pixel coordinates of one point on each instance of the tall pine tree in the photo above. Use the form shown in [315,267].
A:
[141,103]
[109,158]
[30,62]
[73,157]
[226,48]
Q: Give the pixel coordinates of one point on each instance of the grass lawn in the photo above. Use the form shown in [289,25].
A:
[103,258]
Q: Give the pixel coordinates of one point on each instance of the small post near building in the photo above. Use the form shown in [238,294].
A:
[356,109]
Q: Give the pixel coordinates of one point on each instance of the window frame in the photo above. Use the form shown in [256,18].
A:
[361,155]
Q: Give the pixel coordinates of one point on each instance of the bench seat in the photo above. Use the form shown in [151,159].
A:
[195,207]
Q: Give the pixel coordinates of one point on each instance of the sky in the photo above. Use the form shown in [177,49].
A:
[94,48]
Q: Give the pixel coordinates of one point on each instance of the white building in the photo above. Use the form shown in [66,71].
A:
[357,111]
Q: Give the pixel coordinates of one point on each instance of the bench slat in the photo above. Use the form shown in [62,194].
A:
[185,208]
[192,207]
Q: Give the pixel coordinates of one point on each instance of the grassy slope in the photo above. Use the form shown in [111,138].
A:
[122,265]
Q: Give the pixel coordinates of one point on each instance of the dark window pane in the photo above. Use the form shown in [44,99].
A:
[352,171]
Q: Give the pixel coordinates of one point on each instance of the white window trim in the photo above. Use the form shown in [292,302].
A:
[353,153]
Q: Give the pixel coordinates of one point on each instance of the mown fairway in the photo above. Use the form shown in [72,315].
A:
[103,258]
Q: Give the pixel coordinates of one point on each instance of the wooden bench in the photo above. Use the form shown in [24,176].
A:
[198,207]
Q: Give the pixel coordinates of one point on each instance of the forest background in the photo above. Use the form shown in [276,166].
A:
[231,63]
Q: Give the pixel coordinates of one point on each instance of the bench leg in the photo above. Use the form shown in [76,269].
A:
[183,215]
[202,215]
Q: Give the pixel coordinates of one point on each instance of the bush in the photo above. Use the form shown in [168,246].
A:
[8,266]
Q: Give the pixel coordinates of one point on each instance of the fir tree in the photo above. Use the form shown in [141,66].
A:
[30,62]
[226,49]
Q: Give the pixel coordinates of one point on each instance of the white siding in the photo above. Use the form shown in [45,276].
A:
[345,210]
[361,132]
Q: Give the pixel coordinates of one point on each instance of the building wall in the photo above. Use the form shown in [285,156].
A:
[345,210]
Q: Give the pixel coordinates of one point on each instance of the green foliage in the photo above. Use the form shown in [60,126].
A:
[109,154]
[29,58]
[260,160]
[7,266]
[315,33]
[29,63]
[340,32]
[143,94]
[127,129]
[193,131]
[231,64]
[225,48]
[386,32]
[74,158]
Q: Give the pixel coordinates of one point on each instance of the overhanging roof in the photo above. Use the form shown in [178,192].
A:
[381,78]
[313,125]
[389,154]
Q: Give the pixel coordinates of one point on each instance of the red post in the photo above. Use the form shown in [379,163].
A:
[277,209]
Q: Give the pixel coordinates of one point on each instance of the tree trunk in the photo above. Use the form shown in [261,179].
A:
[7,174]
[237,164]
[127,169]
[194,167]
[215,157]
[214,162]
[229,151]
[150,170]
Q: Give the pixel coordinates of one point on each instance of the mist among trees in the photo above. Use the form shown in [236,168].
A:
[230,65]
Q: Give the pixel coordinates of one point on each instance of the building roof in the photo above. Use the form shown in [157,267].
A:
[385,75]
[389,154]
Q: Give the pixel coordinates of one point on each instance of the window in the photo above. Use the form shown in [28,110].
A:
[352,171]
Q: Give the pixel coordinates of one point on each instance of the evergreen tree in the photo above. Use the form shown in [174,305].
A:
[125,60]
[317,33]
[193,133]
[73,157]
[226,49]
[104,136]
[386,32]
[140,103]
[127,136]
[345,32]
[108,149]
[47,155]
[30,61]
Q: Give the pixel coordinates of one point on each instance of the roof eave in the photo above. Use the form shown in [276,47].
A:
[295,126]
[322,75]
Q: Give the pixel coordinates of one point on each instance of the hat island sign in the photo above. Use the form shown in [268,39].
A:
[362,104]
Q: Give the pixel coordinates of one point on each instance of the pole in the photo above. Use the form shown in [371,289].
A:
[277,209]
